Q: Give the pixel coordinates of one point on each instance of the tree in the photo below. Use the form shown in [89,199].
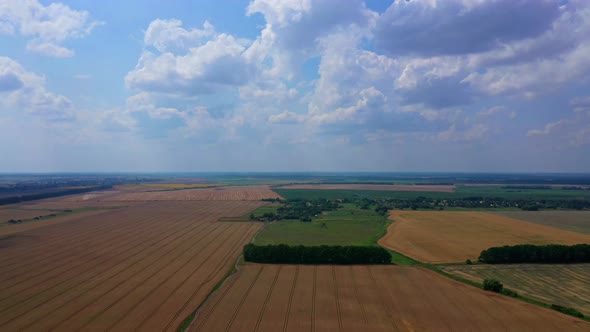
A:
[493,285]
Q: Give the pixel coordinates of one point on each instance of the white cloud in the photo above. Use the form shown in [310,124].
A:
[49,26]
[203,67]
[574,131]
[169,36]
[492,111]
[550,128]
[25,91]
[294,29]
[286,117]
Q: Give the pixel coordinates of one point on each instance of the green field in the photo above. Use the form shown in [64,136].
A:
[577,221]
[346,226]
[461,192]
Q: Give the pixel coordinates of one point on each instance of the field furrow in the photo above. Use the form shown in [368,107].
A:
[394,298]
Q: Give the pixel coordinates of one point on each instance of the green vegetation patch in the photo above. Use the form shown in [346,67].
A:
[348,225]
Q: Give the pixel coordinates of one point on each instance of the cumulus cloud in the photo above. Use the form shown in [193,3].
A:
[24,91]
[201,67]
[49,26]
[294,29]
[438,27]
[170,36]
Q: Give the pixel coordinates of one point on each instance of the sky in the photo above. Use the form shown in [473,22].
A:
[295,85]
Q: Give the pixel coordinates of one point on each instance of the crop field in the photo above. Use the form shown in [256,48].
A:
[385,187]
[143,267]
[163,186]
[445,236]
[9,229]
[243,193]
[577,221]
[565,285]
[365,298]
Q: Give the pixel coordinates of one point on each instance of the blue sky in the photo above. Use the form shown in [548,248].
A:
[307,85]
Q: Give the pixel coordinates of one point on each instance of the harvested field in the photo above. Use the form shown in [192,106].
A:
[163,186]
[365,298]
[444,236]
[9,229]
[60,205]
[144,267]
[384,187]
[565,285]
[577,221]
[238,193]
[89,196]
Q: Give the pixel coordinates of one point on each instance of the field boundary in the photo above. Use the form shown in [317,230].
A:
[409,261]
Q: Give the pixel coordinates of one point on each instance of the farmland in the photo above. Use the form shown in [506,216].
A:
[15,214]
[163,186]
[447,192]
[377,187]
[365,298]
[346,226]
[577,221]
[245,193]
[566,285]
[443,236]
[146,265]
[8,228]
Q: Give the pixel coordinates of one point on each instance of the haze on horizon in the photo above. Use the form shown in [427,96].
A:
[308,85]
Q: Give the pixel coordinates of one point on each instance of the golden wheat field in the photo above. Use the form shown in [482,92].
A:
[449,236]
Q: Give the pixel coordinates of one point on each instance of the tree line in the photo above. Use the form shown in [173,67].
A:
[32,197]
[528,253]
[285,254]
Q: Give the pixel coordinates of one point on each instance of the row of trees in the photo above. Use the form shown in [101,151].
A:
[285,254]
[528,253]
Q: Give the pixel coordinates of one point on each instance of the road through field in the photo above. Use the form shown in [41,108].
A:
[147,266]
[365,298]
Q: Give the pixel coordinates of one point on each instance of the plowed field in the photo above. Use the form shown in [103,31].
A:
[144,267]
[237,193]
[443,236]
[365,298]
